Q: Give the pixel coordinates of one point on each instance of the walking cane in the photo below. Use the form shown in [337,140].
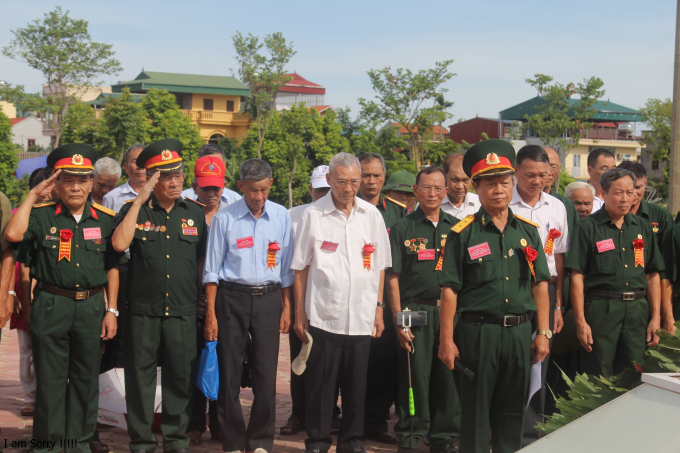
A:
[411,401]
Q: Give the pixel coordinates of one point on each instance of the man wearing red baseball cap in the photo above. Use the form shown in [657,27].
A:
[208,186]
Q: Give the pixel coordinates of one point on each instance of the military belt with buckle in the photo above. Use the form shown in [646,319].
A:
[75,295]
[505,321]
[252,290]
[623,295]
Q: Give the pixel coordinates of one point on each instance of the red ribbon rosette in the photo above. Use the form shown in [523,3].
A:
[65,237]
[530,254]
[368,249]
[271,255]
[639,247]
[552,235]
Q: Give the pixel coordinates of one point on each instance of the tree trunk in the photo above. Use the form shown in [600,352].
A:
[674,170]
[122,153]
[290,182]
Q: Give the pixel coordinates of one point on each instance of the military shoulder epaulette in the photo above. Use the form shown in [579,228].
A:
[197,202]
[528,221]
[130,200]
[103,209]
[42,205]
[396,202]
[460,226]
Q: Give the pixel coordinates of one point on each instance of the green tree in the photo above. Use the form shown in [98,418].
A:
[401,96]
[435,152]
[658,114]
[8,156]
[265,74]
[167,121]
[126,122]
[234,158]
[82,126]
[561,121]
[297,141]
[444,105]
[62,50]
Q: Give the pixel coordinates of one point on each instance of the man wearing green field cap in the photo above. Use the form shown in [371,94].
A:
[166,236]
[400,187]
[73,263]
[494,277]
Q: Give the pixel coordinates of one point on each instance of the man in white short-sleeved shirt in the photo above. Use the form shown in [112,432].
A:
[341,253]
[459,202]
[550,217]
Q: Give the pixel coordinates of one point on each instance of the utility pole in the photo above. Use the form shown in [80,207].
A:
[674,184]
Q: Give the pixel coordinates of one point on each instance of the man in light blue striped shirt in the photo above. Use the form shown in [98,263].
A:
[248,280]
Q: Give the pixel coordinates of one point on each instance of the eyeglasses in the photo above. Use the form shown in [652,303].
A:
[168,179]
[436,189]
[344,182]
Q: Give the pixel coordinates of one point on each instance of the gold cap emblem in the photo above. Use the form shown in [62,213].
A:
[166,155]
[492,159]
[77,159]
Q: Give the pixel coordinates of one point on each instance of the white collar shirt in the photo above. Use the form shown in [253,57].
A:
[597,204]
[295,216]
[342,294]
[118,196]
[550,214]
[470,205]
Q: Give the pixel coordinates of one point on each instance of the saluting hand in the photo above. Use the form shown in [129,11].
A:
[109,326]
[44,189]
[540,348]
[448,352]
[143,194]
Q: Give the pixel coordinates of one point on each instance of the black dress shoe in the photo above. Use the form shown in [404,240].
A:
[427,439]
[341,449]
[383,437]
[406,450]
[448,447]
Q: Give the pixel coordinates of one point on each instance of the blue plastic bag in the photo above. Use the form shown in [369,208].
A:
[207,373]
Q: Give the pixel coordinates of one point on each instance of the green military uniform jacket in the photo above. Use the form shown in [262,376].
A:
[606,257]
[164,258]
[392,211]
[572,213]
[671,254]
[488,267]
[90,249]
[416,245]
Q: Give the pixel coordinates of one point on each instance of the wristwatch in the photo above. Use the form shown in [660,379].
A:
[381,304]
[11,293]
[112,310]
[547,333]
[560,309]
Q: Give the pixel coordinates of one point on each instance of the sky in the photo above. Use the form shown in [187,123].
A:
[495,45]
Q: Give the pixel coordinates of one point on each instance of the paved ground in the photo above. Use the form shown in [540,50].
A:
[16,427]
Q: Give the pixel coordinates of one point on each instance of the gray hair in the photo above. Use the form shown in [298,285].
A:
[255,170]
[134,147]
[107,167]
[368,157]
[578,185]
[613,174]
[345,160]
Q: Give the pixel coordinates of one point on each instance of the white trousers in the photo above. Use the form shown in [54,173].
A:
[26,368]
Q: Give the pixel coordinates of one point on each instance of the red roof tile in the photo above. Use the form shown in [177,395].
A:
[16,120]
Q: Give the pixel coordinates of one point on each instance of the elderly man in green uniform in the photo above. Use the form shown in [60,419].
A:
[615,288]
[166,235]
[74,263]
[494,276]
[382,362]
[416,243]
[400,188]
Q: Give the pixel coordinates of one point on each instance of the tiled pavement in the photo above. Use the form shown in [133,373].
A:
[16,427]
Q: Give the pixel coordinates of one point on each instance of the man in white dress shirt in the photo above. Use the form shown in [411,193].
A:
[599,161]
[341,253]
[550,216]
[459,202]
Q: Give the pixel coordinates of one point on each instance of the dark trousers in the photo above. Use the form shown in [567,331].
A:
[335,358]
[174,339]
[66,352]
[199,400]
[536,408]
[114,349]
[297,383]
[239,314]
[381,384]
